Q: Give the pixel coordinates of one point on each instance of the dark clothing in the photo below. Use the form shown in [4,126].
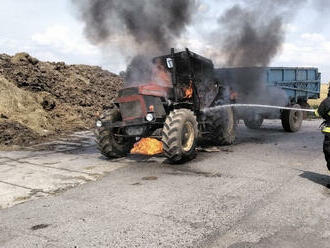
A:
[324,111]
[326,149]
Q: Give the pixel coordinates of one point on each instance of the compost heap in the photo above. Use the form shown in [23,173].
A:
[42,99]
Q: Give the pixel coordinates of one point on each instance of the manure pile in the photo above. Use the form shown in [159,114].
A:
[43,99]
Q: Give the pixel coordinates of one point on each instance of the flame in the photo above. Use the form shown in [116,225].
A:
[148,146]
[188,91]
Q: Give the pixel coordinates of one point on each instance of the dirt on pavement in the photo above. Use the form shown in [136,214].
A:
[15,133]
[42,99]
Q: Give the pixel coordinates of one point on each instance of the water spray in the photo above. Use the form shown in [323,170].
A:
[256,106]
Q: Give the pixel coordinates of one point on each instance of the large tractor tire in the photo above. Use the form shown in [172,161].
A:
[254,122]
[224,126]
[179,136]
[292,119]
[107,143]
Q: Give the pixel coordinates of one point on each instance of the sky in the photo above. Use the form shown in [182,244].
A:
[50,30]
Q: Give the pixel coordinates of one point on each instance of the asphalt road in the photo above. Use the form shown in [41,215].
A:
[268,190]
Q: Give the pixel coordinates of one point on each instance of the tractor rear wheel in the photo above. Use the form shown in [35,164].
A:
[254,122]
[110,145]
[292,119]
[179,136]
[224,126]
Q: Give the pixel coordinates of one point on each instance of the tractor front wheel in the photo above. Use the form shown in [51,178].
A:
[109,142]
[179,136]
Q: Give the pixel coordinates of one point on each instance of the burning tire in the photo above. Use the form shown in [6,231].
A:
[107,143]
[291,119]
[254,122]
[179,136]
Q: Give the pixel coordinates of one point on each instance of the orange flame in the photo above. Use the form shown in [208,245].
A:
[188,91]
[148,146]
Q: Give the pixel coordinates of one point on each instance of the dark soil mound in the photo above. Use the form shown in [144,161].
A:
[70,95]
[14,133]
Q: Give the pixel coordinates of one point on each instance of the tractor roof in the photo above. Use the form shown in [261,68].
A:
[191,54]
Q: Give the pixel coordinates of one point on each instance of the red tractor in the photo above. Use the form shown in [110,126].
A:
[164,100]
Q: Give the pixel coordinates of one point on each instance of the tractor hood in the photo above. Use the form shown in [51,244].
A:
[137,102]
[150,89]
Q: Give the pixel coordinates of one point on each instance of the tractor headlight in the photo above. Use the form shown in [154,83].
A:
[150,117]
[99,124]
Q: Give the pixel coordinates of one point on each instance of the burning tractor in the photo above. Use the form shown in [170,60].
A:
[160,109]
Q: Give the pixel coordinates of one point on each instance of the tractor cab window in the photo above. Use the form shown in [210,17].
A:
[201,70]
[183,76]
[160,74]
[144,71]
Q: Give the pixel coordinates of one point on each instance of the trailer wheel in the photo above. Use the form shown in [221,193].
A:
[107,143]
[292,119]
[179,136]
[254,122]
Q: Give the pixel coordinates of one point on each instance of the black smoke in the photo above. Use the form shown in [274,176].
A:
[251,34]
[154,25]
[139,71]
[248,41]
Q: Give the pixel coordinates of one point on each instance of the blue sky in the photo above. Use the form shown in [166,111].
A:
[48,30]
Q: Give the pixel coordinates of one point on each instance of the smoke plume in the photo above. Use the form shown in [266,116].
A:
[251,34]
[247,40]
[150,26]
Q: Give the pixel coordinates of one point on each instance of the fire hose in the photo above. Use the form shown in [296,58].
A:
[255,106]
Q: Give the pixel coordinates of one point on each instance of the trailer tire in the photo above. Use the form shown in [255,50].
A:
[254,123]
[179,136]
[107,143]
[291,119]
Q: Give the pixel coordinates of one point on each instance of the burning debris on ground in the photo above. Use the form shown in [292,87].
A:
[148,146]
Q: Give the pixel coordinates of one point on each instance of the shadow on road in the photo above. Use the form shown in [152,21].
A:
[321,179]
